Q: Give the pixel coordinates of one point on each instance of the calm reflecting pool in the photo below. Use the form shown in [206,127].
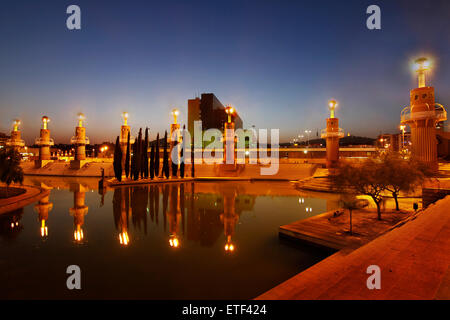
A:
[202,240]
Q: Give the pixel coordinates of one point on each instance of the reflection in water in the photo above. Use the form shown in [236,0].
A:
[208,214]
[121,211]
[217,232]
[43,207]
[229,218]
[78,211]
[10,226]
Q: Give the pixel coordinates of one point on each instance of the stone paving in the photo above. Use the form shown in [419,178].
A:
[414,260]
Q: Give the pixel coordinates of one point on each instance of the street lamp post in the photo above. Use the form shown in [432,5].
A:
[402,128]
[308,132]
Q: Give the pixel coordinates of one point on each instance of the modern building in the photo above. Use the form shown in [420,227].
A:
[210,111]
[394,142]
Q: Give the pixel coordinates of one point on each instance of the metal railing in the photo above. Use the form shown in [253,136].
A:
[439,113]
[44,142]
[15,143]
[326,134]
[76,140]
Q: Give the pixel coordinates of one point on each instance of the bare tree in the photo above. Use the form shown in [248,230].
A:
[402,175]
[362,178]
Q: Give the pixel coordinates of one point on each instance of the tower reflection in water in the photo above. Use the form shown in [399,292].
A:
[197,215]
[43,207]
[78,211]
[10,225]
[121,211]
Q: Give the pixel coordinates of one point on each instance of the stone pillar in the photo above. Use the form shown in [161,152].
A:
[332,134]
[44,149]
[423,126]
[80,145]
[124,130]
[332,142]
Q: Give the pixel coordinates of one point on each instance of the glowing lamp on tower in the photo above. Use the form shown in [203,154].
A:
[81,118]
[332,104]
[125,118]
[230,112]
[175,113]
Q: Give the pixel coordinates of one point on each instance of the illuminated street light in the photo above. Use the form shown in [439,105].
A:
[308,132]
[402,129]
[175,113]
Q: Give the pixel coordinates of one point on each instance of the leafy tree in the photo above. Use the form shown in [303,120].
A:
[127,157]
[152,162]
[157,156]
[10,169]
[362,178]
[165,169]
[117,164]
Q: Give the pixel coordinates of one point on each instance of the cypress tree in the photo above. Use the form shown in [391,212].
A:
[174,164]
[127,157]
[145,153]
[133,161]
[117,164]
[157,156]
[138,155]
[192,161]
[183,145]
[166,169]
[152,162]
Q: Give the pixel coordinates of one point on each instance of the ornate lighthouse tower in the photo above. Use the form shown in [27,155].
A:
[422,115]
[44,142]
[79,140]
[15,142]
[124,132]
[332,134]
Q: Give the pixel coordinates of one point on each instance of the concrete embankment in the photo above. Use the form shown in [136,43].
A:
[31,195]
[62,169]
[284,171]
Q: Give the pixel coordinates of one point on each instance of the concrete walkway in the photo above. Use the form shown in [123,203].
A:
[414,260]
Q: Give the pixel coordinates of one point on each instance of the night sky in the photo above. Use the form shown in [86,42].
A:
[277,62]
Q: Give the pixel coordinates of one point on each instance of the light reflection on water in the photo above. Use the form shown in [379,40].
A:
[203,240]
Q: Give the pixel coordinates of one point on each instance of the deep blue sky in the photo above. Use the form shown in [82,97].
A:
[277,62]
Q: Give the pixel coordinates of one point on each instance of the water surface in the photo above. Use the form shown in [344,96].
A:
[203,240]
